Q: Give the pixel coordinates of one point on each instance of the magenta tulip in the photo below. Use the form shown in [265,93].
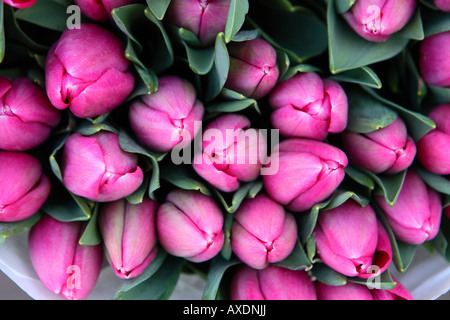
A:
[387,150]
[63,265]
[189,225]
[100,10]
[443,5]
[129,234]
[20,4]
[272,283]
[232,152]
[335,235]
[95,167]
[309,172]
[416,215]
[433,149]
[306,106]
[165,119]
[262,232]
[87,72]
[25,188]
[434,57]
[26,115]
[253,68]
[378,20]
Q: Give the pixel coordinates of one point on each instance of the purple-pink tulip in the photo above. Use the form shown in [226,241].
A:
[262,232]
[253,68]
[100,10]
[189,225]
[95,167]
[204,18]
[20,4]
[166,118]
[24,187]
[63,265]
[26,115]
[387,150]
[434,57]
[433,150]
[87,72]
[378,20]
[416,215]
[309,172]
[443,5]
[129,234]
[351,240]
[232,152]
[271,283]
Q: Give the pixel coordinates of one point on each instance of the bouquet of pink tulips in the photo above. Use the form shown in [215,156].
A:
[278,149]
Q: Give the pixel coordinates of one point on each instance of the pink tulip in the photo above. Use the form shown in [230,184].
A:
[129,234]
[86,71]
[20,4]
[100,10]
[204,18]
[443,5]
[63,265]
[95,167]
[165,119]
[253,68]
[416,215]
[351,240]
[189,225]
[232,152]
[387,150]
[26,115]
[433,150]
[434,57]
[272,283]
[24,187]
[377,20]
[262,232]
[309,172]
[306,106]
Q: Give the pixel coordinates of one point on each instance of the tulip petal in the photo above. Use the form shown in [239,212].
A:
[245,285]
[248,248]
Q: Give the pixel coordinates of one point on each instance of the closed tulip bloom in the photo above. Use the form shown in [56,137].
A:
[95,167]
[309,172]
[100,10]
[262,232]
[350,240]
[434,57]
[129,234]
[271,283]
[443,5]
[306,106]
[20,4]
[387,150]
[378,20]
[253,68]
[165,119]
[433,149]
[24,187]
[416,215]
[87,72]
[63,265]
[26,115]
[189,225]
[232,152]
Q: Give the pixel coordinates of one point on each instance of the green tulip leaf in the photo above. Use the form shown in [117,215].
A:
[184,178]
[438,95]
[344,5]
[388,185]
[363,76]
[414,28]
[435,21]
[238,196]
[297,259]
[8,229]
[40,12]
[441,242]
[327,275]
[217,269]
[2,33]
[217,76]
[158,7]
[438,182]
[245,35]
[201,60]
[360,177]
[91,235]
[383,281]
[232,106]
[236,17]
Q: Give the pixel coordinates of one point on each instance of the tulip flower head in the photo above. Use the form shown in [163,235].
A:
[443,5]
[20,4]
[100,10]
[434,57]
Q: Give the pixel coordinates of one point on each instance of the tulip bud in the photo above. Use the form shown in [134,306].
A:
[231,152]
[20,4]
[204,18]
[63,265]
[24,188]
[100,10]
[433,149]
[253,68]
[129,235]
[335,236]
[95,167]
[386,150]
[305,106]
[86,71]
[271,283]
[443,5]
[434,57]
[416,215]
[189,225]
[377,20]
[262,232]
[26,115]
[165,119]
[309,172]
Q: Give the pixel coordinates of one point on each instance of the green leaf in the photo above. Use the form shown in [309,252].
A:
[201,60]
[383,281]
[414,28]
[388,185]
[363,76]
[238,196]
[158,7]
[2,33]
[91,235]
[344,5]
[232,106]
[438,95]
[40,12]
[216,271]
[217,76]
[360,177]
[8,229]
[236,17]
[327,275]
[297,259]
[299,68]
[183,178]
[438,182]
[435,21]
